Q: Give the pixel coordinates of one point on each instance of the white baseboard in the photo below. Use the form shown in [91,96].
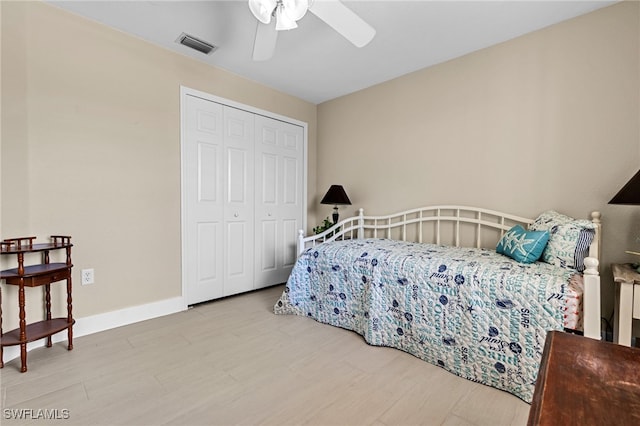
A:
[108,320]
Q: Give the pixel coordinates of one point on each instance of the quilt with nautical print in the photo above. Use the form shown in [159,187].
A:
[473,312]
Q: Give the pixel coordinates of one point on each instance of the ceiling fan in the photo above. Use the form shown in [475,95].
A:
[286,12]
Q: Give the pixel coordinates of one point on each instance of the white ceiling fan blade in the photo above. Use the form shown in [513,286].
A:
[265,42]
[344,21]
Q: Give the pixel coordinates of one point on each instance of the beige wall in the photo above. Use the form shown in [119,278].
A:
[91,148]
[549,120]
[90,140]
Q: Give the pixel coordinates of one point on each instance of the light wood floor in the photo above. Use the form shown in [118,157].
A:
[234,362]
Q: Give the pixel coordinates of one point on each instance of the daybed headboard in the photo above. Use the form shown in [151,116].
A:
[450,225]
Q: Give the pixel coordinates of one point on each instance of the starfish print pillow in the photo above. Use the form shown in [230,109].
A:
[522,245]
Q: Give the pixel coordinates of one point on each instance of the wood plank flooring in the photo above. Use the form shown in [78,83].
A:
[233,362]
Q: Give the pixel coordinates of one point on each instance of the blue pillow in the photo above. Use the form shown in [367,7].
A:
[521,245]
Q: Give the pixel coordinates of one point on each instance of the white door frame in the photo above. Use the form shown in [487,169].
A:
[186,91]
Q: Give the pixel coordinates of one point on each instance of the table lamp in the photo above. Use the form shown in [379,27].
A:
[629,195]
[630,192]
[336,196]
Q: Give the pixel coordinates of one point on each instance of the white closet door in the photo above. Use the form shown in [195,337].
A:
[203,162]
[243,197]
[279,198]
[239,200]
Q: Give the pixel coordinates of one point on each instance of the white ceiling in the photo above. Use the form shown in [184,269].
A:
[315,63]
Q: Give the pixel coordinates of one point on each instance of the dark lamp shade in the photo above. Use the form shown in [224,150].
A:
[336,195]
[630,193]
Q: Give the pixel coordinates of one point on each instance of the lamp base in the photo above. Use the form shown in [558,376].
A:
[634,265]
[335,215]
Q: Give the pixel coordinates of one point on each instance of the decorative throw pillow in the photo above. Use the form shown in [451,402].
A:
[521,245]
[569,239]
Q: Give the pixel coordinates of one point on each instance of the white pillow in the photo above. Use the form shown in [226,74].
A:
[569,239]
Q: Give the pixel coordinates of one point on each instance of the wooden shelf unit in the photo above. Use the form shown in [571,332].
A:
[42,274]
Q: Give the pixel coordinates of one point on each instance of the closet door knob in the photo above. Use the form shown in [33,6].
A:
[236,215]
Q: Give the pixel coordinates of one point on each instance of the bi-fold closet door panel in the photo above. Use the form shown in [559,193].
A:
[238,190]
[279,198]
[204,199]
[220,200]
[243,199]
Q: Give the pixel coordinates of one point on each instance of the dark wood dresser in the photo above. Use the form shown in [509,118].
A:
[584,381]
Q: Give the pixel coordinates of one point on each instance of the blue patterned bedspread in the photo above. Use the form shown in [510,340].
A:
[473,312]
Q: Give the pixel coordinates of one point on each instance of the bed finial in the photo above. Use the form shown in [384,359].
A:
[300,241]
[591,266]
[594,249]
[360,234]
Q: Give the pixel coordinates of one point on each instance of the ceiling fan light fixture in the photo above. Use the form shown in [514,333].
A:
[287,12]
[262,9]
[295,9]
[283,21]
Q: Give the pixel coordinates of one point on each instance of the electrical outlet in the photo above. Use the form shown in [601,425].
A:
[87,276]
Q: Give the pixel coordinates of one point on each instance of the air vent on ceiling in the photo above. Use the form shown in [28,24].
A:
[196,44]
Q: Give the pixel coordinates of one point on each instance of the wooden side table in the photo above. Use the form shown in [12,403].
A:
[627,301]
[584,381]
[41,274]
